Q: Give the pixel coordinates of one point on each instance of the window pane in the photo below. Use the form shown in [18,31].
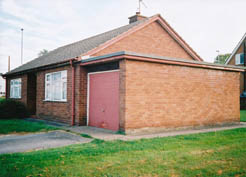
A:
[64,75]
[64,90]
[11,91]
[57,90]
[56,77]
[47,77]
[18,94]
[47,91]
[15,92]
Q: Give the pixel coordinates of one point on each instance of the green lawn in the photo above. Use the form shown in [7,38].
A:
[243,115]
[209,154]
[21,126]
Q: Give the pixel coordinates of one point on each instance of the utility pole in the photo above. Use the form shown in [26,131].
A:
[22,45]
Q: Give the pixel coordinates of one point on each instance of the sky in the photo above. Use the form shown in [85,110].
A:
[206,25]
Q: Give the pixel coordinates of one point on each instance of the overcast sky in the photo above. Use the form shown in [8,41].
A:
[206,25]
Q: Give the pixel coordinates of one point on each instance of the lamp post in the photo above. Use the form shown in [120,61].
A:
[22,45]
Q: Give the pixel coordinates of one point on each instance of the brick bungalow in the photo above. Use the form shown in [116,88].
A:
[139,77]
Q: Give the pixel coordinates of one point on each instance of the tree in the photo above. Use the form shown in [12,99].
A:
[43,52]
[221,59]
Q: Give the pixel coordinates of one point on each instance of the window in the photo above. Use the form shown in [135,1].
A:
[56,86]
[15,88]
[239,58]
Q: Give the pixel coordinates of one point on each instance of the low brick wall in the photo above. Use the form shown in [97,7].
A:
[172,96]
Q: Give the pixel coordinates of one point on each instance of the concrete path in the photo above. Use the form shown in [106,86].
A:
[36,141]
[110,135]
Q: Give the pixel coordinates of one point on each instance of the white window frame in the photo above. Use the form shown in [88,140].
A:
[49,91]
[238,59]
[15,88]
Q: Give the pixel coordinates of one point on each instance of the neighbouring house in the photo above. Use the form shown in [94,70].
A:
[139,77]
[237,58]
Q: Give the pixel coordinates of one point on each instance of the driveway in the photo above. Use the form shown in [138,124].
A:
[29,142]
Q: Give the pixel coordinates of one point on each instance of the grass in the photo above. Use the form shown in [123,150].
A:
[209,154]
[21,126]
[243,115]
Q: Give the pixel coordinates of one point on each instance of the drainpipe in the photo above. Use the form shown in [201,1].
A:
[6,87]
[73,93]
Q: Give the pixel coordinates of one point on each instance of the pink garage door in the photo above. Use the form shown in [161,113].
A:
[104,100]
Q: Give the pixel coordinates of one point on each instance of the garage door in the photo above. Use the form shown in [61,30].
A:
[103,110]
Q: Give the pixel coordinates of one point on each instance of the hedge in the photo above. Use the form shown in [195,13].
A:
[12,109]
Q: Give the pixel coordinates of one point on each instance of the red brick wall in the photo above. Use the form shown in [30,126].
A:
[50,110]
[169,96]
[152,39]
[122,93]
[56,111]
[23,87]
[31,92]
[80,95]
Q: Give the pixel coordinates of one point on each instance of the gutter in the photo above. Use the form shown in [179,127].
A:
[40,68]
[159,59]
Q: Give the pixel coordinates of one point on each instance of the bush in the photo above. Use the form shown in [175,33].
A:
[10,109]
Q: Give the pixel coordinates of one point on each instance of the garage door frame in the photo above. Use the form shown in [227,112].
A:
[88,90]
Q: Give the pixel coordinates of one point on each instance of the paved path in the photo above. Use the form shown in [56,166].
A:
[36,141]
[109,135]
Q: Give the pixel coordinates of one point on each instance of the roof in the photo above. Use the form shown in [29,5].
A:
[73,50]
[90,46]
[236,49]
[160,59]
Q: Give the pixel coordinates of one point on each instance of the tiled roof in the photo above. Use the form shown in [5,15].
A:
[73,50]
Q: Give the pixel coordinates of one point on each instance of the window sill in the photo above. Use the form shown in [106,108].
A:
[15,98]
[239,63]
[56,101]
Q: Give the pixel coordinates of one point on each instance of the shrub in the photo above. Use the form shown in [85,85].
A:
[10,108]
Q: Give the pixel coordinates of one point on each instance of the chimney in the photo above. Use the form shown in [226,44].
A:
[136,17]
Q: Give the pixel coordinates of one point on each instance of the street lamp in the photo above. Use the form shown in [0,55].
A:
[22,45]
